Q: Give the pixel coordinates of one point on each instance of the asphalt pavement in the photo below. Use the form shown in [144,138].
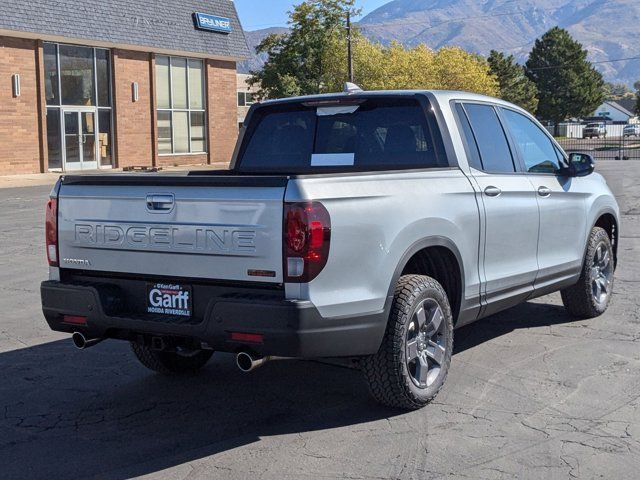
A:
[531,394]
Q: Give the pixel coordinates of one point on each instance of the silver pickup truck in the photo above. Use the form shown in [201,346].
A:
[363,225]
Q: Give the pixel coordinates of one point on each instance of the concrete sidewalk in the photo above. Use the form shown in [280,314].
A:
[49,178]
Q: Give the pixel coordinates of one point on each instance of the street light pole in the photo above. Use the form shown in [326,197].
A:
[349,52]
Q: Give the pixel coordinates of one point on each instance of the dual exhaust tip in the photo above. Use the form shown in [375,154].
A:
[245,361]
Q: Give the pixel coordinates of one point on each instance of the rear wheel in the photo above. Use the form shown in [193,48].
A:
[171,363]
[590,297]
[413,360]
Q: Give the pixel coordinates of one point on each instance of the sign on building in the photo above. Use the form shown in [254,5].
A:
[213,23]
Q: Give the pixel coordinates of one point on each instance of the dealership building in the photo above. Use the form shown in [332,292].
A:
[123,83]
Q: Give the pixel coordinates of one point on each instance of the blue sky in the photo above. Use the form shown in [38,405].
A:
[257,14]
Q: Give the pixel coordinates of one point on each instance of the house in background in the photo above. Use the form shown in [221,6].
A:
[617,111]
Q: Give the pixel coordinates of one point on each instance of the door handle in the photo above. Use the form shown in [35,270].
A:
[544,191]
[492,191]
[160,203]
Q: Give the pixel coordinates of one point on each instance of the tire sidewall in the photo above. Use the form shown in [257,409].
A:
[425,291]
[598,237]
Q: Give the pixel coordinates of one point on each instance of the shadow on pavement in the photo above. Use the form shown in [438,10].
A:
[97,413]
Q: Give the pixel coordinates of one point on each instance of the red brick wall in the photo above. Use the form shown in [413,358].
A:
[134,133]
[19,122]
[223,110]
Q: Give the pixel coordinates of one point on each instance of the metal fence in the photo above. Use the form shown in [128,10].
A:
[610,148]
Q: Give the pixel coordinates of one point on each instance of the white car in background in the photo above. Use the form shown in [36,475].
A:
[631,130]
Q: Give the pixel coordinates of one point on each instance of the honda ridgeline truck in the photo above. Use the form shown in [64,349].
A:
[363,225]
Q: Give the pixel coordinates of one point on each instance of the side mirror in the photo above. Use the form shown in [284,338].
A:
[580,165]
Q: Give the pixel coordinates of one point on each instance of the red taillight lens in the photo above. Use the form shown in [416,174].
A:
[51,231]
[307,235]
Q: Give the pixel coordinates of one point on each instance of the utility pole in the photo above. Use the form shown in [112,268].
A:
[349,53]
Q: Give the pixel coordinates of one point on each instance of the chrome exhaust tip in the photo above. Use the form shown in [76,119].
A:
[246,362]
[81,342]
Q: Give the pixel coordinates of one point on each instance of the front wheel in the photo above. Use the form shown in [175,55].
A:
[171,363]
[591,296]
[412,363]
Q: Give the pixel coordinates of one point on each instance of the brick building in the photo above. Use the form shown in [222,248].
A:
[99,85]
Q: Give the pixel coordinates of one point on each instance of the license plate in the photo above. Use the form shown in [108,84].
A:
[169,299]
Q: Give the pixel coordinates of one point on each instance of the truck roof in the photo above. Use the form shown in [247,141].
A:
[442,96]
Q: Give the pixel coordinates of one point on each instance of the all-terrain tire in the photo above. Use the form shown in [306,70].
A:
[171,363]
[387,373]
[579,299]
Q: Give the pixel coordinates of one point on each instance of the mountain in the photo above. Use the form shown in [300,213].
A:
[609,29]
[253,39]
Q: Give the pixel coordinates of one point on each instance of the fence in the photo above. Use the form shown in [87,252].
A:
[574,130]
[610,148]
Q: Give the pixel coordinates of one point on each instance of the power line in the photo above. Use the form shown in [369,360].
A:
[552,67]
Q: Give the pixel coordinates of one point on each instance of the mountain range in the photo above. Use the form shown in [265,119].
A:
[608,29]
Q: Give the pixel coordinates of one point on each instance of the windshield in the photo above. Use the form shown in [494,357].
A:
[382,133]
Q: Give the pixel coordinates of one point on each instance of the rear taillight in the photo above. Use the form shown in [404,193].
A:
[307,234]
[51,231]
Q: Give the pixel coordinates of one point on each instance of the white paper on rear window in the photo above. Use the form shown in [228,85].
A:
[332,159]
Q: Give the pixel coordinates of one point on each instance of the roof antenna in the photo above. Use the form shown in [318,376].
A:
[350,88]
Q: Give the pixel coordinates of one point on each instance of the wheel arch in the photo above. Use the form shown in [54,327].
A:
[452,280]
[607,220]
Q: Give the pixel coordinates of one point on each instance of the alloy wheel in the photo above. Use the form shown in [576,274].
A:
[425,343]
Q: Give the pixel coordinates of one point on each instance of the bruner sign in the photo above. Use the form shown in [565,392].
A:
[213,23]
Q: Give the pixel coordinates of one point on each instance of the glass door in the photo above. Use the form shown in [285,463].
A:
[79,140]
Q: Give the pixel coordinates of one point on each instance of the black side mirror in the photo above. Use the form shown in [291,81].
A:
[580,165]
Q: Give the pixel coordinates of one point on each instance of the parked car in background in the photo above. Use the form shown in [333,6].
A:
[596,130]
[632,130]
[365,225]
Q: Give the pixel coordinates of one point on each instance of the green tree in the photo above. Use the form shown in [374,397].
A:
[515,86]
[636,85]
[616,91]
[312,58]
[296,63]
[568,84]
[378,67]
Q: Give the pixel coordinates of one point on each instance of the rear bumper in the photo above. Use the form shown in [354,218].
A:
[289,328]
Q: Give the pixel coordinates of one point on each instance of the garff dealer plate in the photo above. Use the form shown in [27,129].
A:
[169,299]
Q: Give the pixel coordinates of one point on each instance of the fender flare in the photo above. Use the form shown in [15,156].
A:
[601,212]
[432,241]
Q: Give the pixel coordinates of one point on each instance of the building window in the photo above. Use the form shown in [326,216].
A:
[246,99]
[78,79]
[181,105]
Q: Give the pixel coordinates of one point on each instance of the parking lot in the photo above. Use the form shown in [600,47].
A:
[532,393]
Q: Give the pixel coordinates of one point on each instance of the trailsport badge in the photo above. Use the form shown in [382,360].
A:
[169,299]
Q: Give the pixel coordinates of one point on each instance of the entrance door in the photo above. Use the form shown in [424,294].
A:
[79,128]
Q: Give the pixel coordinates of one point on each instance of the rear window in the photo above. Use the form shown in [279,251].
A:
[375,134]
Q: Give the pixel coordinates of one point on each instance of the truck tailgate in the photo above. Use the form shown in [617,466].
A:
[210,227]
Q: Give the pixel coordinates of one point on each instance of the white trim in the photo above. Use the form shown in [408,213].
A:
[88,42]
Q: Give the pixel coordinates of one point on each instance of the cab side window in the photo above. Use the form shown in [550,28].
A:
[537,150]
[490,138]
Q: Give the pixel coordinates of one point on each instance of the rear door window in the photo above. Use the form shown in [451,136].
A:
[490,137]
[373,134]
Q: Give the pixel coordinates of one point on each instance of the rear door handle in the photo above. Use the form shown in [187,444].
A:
[160,202]
[492,191]
[544,191]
